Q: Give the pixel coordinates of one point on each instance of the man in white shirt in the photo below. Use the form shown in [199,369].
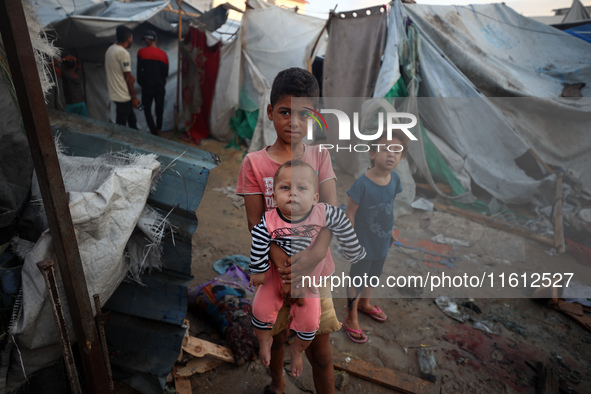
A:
[119,78]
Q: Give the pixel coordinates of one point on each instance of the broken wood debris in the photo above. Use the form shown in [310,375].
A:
[200,348]
[496,223]
[546,377]
[207,355]
[443,187]
[395,380]
[182,384]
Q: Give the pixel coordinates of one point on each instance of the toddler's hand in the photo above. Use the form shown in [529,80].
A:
[286,291]
[257,279]
[298,294]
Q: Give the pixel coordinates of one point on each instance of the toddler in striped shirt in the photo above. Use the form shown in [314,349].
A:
[294,225]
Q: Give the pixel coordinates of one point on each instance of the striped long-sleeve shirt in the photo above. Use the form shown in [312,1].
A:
[295,236]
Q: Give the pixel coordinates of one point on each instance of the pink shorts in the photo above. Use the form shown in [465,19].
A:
[268,300]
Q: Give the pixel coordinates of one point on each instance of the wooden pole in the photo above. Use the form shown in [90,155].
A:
[496,223]
[558,230]
[177,108]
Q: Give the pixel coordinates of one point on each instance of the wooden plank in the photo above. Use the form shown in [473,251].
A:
[575,311]
[425,186]
[188,324]
[496,223]
[547,382]
[394,380]
[182,384]
[558,229]
[198,365]
[542,162]
[199,348]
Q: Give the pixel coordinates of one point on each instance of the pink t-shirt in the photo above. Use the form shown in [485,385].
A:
[257,172]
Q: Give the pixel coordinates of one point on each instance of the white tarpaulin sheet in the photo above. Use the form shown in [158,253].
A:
[507,55]
[273,39]
[227,91]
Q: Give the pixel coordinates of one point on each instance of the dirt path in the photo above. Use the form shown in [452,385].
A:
[469,361]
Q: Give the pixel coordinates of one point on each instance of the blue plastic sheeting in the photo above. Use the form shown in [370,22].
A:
[583,32]
[146,329]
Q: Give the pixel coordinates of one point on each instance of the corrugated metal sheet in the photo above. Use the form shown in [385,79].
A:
[146,328]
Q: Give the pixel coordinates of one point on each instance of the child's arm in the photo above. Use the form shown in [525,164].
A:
[255,208]
[341,227]
[259,253]
[351,211]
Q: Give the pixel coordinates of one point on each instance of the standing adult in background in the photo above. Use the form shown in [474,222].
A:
[119,78]
[152,71]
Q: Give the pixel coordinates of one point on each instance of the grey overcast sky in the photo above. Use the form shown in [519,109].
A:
[320,8]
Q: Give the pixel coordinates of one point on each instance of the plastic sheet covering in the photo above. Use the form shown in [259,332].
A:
[472,124]
[504,54]
[227,91]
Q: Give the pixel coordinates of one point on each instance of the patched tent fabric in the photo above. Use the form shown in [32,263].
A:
[352,62]
[227,91]
[507,55]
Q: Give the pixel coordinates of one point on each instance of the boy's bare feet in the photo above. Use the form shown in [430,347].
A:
[265,350]
[296,349]
[297,362]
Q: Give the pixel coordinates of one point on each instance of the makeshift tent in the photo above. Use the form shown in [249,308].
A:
[576,13]
[504,54]
[86,29]
[576,22]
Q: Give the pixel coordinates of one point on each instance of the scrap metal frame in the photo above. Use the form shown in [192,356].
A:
[21,59]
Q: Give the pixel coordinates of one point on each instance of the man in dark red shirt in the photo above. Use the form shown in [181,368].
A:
[152,71]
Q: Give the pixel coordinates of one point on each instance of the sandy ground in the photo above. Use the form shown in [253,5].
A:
[469,361]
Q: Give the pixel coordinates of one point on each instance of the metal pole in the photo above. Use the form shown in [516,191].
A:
[101,320]
[25,77]
[47,270]
[178,71]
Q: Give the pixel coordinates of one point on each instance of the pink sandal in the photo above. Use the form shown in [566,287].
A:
[374,314]
[348,331]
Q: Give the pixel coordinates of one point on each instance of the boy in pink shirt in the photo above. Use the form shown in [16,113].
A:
[255,184]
